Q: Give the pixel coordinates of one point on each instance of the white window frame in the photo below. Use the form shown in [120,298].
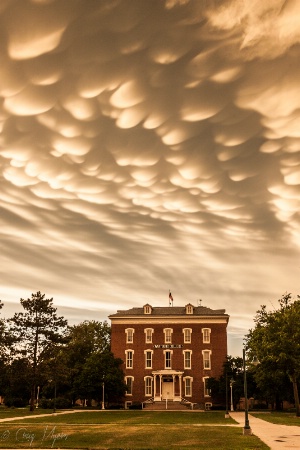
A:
[147,360]
[206,335]
[187,335]
[185,359]
[131,384]
[129,361]
[148,335]
[206,359]
[148,386]
[147,309]
[129,335]
[168,362]
[207,406]
[168,335]
[207,392]
[189,309]
[188,383]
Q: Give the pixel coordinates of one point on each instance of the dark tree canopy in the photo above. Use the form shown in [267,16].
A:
[275,341]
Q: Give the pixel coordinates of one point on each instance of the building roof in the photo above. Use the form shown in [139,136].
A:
[170,311]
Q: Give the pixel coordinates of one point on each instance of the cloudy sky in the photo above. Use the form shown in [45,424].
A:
[149,145]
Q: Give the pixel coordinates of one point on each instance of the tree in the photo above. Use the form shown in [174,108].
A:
[275,341]
[232,371]
[84,340]
[102,368]
[34,332]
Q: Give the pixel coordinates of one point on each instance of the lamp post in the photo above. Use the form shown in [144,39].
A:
[37,397]
[231,396]
[102,403]
[246,430]
[226,397]
[54,403]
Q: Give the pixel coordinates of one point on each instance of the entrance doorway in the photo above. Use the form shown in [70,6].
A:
[167,389]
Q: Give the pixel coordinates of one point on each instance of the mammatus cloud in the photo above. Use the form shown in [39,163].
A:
[150,145]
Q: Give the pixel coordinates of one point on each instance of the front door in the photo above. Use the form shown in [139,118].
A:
[167,390]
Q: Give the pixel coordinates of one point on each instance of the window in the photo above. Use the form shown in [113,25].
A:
[207,392]
[129,359]
[188,386]
[187,359]
[208,406]
[148,335]
[147,309]
[129,335]
[129,385]
[187,335]
[168,335]
[189,309]
[168,359]
[148,357]
[206,359]
[148,386]
[206,335]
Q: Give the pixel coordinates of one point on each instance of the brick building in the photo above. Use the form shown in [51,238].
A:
[169,352]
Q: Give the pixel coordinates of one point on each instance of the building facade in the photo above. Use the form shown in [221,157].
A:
[170,352]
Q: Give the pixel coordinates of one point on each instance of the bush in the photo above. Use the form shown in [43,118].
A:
[16,402]
[217,408]
[136,405]
[60,403]
[116,406]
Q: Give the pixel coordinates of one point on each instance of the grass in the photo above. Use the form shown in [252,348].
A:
[279,418]
[20,412]
[130,430]
[138,418]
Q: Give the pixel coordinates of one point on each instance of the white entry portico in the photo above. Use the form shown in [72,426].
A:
[167,385]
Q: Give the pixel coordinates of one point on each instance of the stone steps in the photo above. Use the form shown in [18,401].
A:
[172,406]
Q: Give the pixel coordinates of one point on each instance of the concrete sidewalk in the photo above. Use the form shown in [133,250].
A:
[277,437]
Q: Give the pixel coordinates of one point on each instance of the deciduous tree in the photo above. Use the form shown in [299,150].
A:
[275,341]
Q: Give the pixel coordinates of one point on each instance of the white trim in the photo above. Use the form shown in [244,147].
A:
[132,380]
[184,359]
[166,330]
[171,354]
[204,387]
[126,358]
[146,332]
[190,387]
[145,353]
[146,378]
[134,320]
[127,330]
[209,333]
[205,351]
[184,330]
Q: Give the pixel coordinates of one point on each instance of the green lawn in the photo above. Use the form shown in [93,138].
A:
[128,430]
[137,417]
[20,412]
[281,418]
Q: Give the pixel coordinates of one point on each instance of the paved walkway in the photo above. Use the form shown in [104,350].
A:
[277,437]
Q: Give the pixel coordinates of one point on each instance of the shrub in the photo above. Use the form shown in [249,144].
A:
[60,403]
[16,402]
[136,405]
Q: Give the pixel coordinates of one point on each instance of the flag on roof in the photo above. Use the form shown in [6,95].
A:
[170,299]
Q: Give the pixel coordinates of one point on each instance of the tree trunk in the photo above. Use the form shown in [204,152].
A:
[296,394]
[32,399]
